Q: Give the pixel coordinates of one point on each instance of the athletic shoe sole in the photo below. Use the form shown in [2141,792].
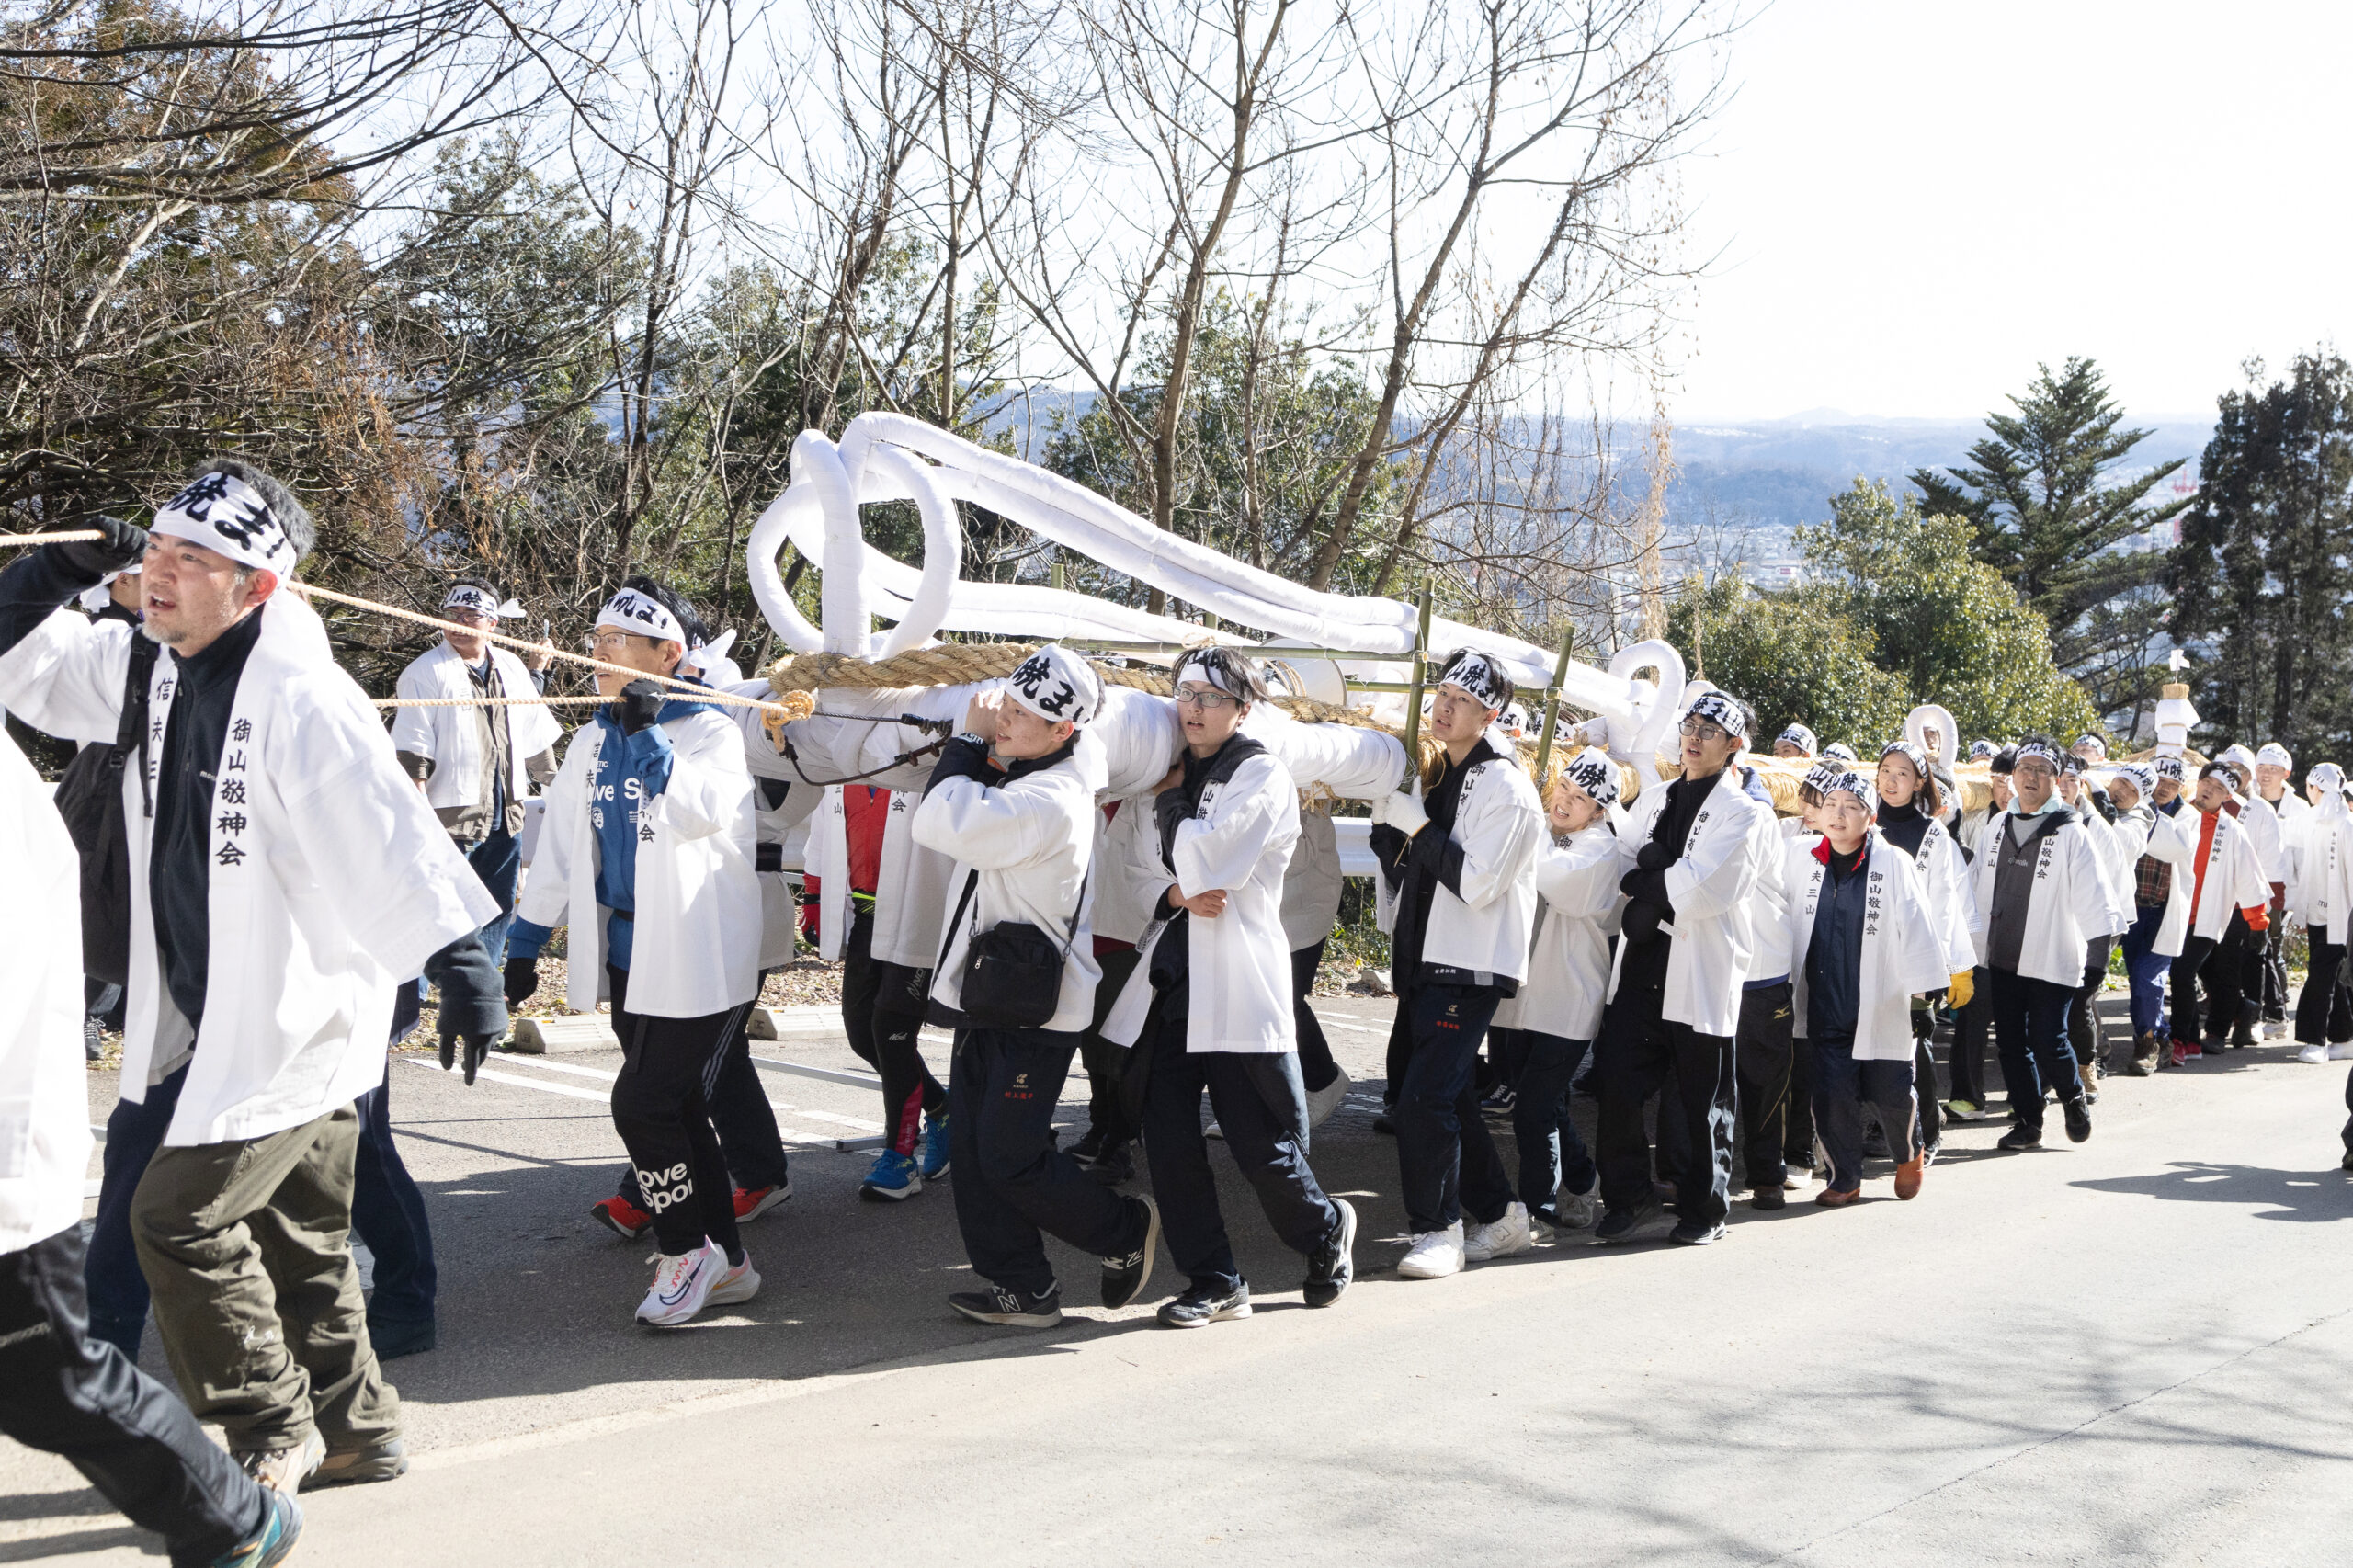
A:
[384,1463]
[1010,1319]
[873,1194]
[775,1196]
[604,1217]
[1347,1250]
[1151,1249]
[1238,1310]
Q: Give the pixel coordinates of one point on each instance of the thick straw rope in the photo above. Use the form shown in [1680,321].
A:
[700,693]
[72,536]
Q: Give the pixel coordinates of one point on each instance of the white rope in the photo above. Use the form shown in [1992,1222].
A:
[72,536]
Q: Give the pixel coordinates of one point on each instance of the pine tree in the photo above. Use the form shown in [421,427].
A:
[2065,538]
[2265,567]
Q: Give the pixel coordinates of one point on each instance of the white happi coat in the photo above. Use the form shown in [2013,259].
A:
[44,1085]
[331,881]
[777,825]
[1568,957]
[1485,927]
[1031,840]
[1943,878]
[909,883]
[1238,965]
[1120,903]
[1904,951]
[1770,919]
[2115,865]
[1710,886]
[451,737]
[695,949]
[2234,874]
[2069,904]
[2146,832]
[2323,894]
[2261,820]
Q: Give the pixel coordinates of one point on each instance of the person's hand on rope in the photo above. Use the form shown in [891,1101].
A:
[1403,812]
[537,659]
[639,705]
[522,980]
[121,544]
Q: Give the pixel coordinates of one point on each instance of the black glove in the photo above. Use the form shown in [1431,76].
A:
[1643,886]
[522,980]
[477,1050]
[1639,926]
[640,705]
[1656,857]
[959,758]
[122,545]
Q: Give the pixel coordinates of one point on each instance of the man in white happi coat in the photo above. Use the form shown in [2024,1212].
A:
[2273,765]
[285,876]
[2230,908]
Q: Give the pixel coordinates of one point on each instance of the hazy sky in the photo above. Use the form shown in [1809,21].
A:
[1916,202]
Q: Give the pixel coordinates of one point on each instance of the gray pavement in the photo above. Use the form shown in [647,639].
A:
[2136,1350]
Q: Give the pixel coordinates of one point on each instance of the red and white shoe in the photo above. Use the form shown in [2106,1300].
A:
[751,1203]
[682,1285]
[621,1217]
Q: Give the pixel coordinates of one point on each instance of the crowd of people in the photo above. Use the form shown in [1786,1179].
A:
[268,878]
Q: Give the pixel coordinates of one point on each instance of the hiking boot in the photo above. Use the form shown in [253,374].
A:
[350,1467]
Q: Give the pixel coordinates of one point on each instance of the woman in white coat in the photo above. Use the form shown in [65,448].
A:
[1915,818]
[1865,944]
[1558,1007]
[648,854]
[2157,886]
[2323,900]
[1214,973]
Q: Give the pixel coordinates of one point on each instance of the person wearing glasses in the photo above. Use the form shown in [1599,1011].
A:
[2041,896]
[1210,993]
[1688,863]
[2230,899]
[1459,879]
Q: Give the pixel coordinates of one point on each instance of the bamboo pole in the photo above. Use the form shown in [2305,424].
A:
[1413,690]
[1552,695]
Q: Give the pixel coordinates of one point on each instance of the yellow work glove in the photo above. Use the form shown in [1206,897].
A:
[1963,987]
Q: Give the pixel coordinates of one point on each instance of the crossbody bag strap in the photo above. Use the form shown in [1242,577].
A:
[947,932]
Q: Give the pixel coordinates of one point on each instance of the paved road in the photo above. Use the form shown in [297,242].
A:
[2137,1350]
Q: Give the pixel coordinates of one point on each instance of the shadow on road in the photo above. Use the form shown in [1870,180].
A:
[2320,1195]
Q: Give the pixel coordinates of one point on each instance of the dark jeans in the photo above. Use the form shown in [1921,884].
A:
[883,1006]
[1552,1155]
[2030,1032]
[1929,1109]
[1316,1068]
[1640,1053]
[2084,1031]
[498,861]
[1446,1163]
[2146,972]
[2275,968]
[388,1212]
[1842,1086]
[1114,1106]
[1797,1136]
[745,1123]
[2321,1016]
[662,1102]
[2196,953]
[2234,977]
[1967,1062]
[1013,1186]
[1261,1106]
[65,1392]
[1761,1064]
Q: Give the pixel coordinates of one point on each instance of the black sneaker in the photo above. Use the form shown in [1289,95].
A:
[1499,1100]
[2021,1137]
[1090,1149]
[1124,1275]
[1385,1123]
[2079,1120]
[1333,1267]
[1198,1308]
[1010,1308]
[1697,1233]
[1116,1163]
[1619,1225]
[1769,1198]
[395,1338]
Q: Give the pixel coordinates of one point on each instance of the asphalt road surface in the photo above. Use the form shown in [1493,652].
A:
[2138,1350]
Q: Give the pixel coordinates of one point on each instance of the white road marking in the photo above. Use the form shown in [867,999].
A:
[1328,1021]
[793,1137]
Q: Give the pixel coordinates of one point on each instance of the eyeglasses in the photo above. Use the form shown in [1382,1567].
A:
[609,641]
[1701,730]
[1205,698]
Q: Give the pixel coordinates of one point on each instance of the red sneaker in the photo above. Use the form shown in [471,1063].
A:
[751,1203]
[623,1218]
[2185,1053]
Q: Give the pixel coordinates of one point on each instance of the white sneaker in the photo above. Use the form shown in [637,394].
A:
[682,1285]
[1506,1237]
[1434,1255]
[2313,1054]
[2341,1051]
[1578,1210]
[740,1283]
[1323,1102]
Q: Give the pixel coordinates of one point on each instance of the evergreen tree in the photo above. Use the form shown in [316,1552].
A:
[2260,579]
[2069,540]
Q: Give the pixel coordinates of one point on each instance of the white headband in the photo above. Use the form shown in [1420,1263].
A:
[1916,756]
[1197,662]
[223,513]
[1594,773]
[1840,750]
[1797,735]
[2274,755]
[1823,775]
[1057,685]
[2170,767]
[1480,675]
[646,616]
[2143,779]
[2238,752]
[2047,752]
[1848,781]
[1722,712]
[465,596]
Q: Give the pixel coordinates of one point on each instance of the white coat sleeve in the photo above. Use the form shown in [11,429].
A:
[1721,871]
[989,830]
[65,679]
[1497,844]
[412,727]
[710,789]
[2093,908]
[547,892]
[1223,851]
[1580,881]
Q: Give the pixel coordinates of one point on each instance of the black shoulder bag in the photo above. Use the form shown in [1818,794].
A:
[90,797]
[1013,970]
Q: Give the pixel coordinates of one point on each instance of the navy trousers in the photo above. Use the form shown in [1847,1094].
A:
[1448,1166]
[1552,1156]
[2030,1032]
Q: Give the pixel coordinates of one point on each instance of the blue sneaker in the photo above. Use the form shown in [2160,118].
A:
[895,1176]
[935,1147]
[281,1527]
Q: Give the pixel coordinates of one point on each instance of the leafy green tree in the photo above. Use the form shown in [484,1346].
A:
[2265,567]
[1789,660]
[2069,537]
